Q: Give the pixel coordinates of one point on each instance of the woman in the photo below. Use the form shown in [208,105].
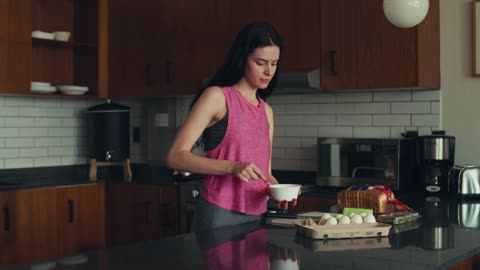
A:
[235,126]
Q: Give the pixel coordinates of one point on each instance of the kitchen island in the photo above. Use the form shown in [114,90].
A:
[260,246]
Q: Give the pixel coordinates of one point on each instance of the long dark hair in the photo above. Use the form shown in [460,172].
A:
[252,36]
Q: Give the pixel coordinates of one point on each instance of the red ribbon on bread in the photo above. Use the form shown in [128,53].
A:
[399,206]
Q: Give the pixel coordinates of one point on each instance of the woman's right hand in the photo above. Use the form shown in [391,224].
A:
[247,171]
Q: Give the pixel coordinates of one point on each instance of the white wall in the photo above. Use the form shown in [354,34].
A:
[460,100]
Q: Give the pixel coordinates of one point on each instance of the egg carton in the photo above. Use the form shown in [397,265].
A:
[314,230]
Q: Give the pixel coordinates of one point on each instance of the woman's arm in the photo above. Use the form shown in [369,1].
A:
[271,179]
[207,110]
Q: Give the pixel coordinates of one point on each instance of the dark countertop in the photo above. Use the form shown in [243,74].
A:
[254,246]
[143,175]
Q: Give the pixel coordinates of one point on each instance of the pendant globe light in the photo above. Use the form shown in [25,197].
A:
[405,13]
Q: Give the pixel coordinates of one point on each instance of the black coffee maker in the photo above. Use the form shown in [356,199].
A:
[436,154]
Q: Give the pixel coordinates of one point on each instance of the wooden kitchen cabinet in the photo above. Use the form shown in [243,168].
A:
[81,218]
[298,25]
[66,63]
[138,213]
[29,228]
[14,46]
[360,49]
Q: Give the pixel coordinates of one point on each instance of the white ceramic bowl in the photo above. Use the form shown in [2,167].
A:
[62,35]
[42,34]
[285,192]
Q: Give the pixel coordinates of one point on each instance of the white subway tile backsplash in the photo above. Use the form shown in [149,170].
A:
[61,132]
[411,107]
[317,120]
[50,131]
[18,163]
[33,132]
[48,122]
[435,107]
[371,108]
[18,122]
[288,120]
[9,111]
[335,108]
[354,120]
[318,98]
[396,132]
[371,132]
[426,95]
[309,142]
[279,131]
[430,120]
[301,132]
[278,108]
[391,120]
[9,153]
[284,99]
[309,165]
[287,142]
[355,97]
[60,112]
[278,153]
[33,152]
[340,132]
[9,132]
[33,111]
[18,142]
[392,96]
[15,101]
[301,108]
[47,161]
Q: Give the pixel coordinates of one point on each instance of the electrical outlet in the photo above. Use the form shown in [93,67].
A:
[161,120]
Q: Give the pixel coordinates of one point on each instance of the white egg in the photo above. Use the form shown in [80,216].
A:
[351,215]
[369,219]
[331,221]
[363,215]
[326,216]
[344,220]
[356,219]
[339,216]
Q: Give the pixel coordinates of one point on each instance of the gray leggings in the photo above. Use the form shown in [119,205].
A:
[209,216]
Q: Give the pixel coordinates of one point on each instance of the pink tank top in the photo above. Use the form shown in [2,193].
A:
[246,139]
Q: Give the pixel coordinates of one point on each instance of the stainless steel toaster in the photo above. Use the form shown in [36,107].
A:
[464,179]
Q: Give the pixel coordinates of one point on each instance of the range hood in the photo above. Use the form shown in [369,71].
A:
[291,83]
[307,82]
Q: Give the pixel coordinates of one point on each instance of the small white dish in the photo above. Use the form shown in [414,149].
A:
[72,89]
[43,35]
[62,35]
[43,89]
[33,84]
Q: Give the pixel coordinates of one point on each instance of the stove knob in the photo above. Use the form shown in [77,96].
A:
[195,193]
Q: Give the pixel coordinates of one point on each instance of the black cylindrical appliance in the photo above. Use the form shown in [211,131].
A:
[108,127]
[437,153]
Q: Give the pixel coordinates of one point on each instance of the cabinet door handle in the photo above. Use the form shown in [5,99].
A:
[333,69]
[148,74]
[6,219]
[166,215]
[146,207]
[70,212]
[168,68]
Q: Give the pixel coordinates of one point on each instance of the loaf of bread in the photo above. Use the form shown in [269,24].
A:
[378,198]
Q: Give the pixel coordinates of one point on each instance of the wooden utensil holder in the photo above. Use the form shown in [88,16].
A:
[127,171]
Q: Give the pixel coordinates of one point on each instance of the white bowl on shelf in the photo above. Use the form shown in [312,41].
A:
[43,35]
[62,35]
[76,90]
[42,87]
[285,192]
